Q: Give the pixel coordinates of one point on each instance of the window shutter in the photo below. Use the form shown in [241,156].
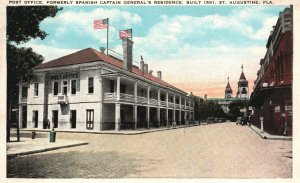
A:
[59,86]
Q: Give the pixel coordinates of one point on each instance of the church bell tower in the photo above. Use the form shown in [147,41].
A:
[243,89]
[228,90]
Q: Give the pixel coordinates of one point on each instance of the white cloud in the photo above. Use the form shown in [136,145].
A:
[48,52]
[264,31]
[82,22]
[166,47]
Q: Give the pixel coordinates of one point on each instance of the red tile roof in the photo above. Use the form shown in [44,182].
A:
[91,55]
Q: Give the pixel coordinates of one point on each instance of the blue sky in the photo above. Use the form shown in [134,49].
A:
[196,47]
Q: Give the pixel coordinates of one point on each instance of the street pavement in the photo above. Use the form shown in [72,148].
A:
[207,151]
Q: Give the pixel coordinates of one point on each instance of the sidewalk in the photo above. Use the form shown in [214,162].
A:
[31,146]
[266,135]
[121,132]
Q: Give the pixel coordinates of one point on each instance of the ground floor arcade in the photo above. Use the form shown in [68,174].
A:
[98,117]
[273,111]
[124,116]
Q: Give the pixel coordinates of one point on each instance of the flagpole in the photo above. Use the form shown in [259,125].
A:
[107,36]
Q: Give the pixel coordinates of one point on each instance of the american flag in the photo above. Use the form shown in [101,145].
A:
[101,24]
[123,34]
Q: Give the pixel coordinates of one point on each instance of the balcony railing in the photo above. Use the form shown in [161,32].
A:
[163,103]
[110,96]
[142,100]
[171,105]
[123,97]
[153,102]
[23,100]
[127,97]
[62,99]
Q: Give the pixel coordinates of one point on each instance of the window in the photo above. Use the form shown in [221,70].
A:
[73,87]
[36,89]
[91,85]
[65,87]
[55,88]
[24,91]
[111,86]
[244,91]
[90,119]
[35,119]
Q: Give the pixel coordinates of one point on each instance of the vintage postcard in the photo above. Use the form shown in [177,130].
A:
[129,90]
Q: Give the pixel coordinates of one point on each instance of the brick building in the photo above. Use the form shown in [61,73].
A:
[91,91]
[271,98]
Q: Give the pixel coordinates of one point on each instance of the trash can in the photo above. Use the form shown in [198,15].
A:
[52,135]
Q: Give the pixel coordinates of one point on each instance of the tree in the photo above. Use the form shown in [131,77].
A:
[204,109]
[22,25]
[234,109]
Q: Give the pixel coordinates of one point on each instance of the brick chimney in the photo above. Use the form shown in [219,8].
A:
[150,72]
[159,74]
[142,64]
[102,49]
[127,54]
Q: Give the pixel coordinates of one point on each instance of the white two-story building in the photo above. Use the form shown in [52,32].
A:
[91,91]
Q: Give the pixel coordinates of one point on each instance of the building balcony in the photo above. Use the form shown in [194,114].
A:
[163,103]
[171,105]
[23,100]
[153,102]
[62,99]
[142,100]
[127,98]
[112,97]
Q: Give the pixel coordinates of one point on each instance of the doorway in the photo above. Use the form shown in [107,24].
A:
[24,116]
[90,119]
[55,118]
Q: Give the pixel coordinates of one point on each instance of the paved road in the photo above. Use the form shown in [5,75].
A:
[218,150]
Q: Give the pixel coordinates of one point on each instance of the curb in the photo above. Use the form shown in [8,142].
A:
[44,150]
[265,135]
[120,133]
